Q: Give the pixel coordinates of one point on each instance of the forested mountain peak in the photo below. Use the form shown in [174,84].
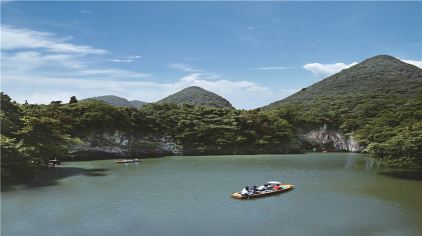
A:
[381,74]
[195,95]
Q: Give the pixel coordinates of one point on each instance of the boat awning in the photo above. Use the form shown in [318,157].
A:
[273,182]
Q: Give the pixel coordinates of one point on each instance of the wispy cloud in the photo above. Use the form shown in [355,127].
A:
[41,67]
[32,63]
[14,38]
[323,70]
[271,68]
[43,55]
[183,67]
[127,59]
[413,62]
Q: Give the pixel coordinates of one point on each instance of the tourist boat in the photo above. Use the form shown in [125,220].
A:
[284,188]
[128,161]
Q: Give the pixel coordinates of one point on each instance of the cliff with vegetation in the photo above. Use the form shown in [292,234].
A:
[324,139]
[374,107]
[34,134]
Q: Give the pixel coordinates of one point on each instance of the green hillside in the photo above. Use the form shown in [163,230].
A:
[117,101]
[197,96]
[137,103]
[377,75]
[378,102]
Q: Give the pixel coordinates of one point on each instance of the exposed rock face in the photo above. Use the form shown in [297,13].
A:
[324,139]
[118,145]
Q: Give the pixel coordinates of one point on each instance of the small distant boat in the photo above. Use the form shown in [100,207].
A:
[283,188]
[128,161]
[53,163]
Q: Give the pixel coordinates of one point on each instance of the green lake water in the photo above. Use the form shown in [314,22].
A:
[335,194]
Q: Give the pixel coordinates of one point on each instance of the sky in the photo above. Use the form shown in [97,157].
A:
[251,53]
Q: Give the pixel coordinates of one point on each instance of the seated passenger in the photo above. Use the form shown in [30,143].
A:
[245,191]
[277,187]
[254,190]
[261,188]
[268,187]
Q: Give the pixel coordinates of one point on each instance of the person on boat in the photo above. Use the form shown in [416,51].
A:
[245,191]
[254,189]
[277,187]
[268,187]
[261,188]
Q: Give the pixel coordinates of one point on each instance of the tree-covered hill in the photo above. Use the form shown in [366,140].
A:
[197,96]
[117,101]
[377,75]
[378,102]
[34,134]
[137,103]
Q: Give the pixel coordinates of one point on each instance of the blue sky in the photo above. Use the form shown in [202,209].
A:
[252,53]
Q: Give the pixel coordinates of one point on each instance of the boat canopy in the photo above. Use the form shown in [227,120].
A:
[273,182]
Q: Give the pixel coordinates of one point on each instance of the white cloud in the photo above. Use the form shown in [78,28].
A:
[14,38]
[413,62]
[33,60]
[40,67]
[126,59]
[33,63]
[113,73]
[271,68]
[39,57]
[182,67]
[121,60]
[324,70]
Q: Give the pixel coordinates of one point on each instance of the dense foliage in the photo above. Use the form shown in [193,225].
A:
[378,102]
[389,126]
[34,134]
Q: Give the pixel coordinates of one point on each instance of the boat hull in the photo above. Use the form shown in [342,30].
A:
[284,188]
[127,161]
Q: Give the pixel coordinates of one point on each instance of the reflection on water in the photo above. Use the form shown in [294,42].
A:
[403,174]
[335,194]
[369,163]
[53,176]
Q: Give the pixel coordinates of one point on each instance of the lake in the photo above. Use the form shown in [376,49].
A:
[335,194]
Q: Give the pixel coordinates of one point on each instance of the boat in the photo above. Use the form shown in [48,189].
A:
[53,163]
[128,161]
[284,188]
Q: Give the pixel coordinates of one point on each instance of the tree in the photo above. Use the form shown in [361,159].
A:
[73,100]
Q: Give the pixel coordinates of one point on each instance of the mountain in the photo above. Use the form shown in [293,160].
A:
[373,106]
[137,103]
[197,96]
[117,101]
[377,75]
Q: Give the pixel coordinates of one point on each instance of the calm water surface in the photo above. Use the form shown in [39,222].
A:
[336,194]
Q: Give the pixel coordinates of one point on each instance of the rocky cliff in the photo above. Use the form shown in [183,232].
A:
[324,139]
[118,145]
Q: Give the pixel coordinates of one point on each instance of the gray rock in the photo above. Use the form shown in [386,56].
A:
[331,140]
[117,145]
